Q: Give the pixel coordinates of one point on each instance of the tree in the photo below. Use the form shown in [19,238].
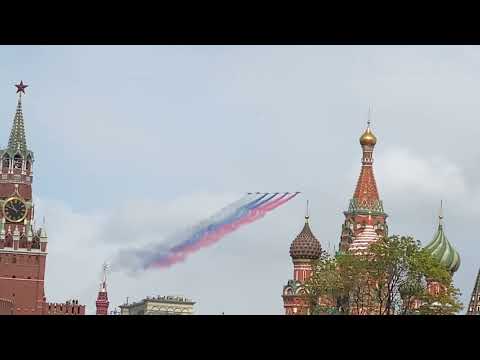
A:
[391,278]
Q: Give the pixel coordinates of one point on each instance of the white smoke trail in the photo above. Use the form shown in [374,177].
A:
[133,260]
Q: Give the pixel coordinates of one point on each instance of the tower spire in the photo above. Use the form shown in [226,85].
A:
[440,214]
[103,284]
[366,193]
[365,204]
[17,140]
[102,298]
[369,116]
[474,306]
[307,213]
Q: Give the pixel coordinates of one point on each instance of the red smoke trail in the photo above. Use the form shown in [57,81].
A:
[212,238]
[254,215]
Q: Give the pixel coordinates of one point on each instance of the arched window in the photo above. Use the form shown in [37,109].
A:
[6,161]
[8,240]
[28,164]
[23,241]
[17,161]
[36,243]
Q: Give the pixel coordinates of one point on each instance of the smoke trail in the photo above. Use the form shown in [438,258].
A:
[209,239]
[244,211]
[190,243]
[134,259]
[218,220]
[206,226]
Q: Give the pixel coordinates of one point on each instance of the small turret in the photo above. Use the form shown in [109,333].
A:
[29,233]
[102,297]
[43,235]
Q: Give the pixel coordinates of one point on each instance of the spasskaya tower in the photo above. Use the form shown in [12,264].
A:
[23,247]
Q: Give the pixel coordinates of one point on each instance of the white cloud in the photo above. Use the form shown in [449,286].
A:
[405,172]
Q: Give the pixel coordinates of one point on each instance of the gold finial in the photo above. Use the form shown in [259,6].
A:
[368,138]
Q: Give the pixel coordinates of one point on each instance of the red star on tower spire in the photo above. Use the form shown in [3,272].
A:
[21,87]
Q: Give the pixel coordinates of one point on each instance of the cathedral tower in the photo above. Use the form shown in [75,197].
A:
[365,208]
[304,250]
[23,247]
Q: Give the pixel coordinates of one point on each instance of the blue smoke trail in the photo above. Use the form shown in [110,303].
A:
[242,211]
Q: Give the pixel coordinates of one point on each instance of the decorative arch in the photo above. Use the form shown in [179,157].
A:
[23,241]
[28,164]
[301,291]
[17,161]
[36,242]
[8,240]
[6,161]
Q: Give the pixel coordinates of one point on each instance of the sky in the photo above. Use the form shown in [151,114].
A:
[133,143]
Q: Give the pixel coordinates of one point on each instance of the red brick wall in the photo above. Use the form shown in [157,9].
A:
[22,281]
[7,190]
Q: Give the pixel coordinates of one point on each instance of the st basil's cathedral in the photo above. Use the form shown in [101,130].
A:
[365,223]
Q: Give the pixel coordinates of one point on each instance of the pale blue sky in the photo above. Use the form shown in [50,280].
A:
[133,142]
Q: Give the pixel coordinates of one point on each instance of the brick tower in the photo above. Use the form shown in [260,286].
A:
[474,306]
[365,208]
[303,250]
[23,247]
[102,298]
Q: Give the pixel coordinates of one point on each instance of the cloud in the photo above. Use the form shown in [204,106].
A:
[404,172]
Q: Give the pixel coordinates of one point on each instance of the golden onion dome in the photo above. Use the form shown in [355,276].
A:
[368,138]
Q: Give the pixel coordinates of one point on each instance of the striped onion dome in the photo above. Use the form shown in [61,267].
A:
[443,251]
[363,240]
[305,245]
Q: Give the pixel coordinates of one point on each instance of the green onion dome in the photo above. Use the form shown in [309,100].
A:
[443,251]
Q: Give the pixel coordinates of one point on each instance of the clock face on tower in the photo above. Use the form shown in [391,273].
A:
[15,209]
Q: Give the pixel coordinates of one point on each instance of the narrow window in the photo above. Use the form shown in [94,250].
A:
[17,162]
[6,162]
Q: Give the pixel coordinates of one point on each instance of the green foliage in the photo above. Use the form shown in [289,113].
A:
[389,280]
